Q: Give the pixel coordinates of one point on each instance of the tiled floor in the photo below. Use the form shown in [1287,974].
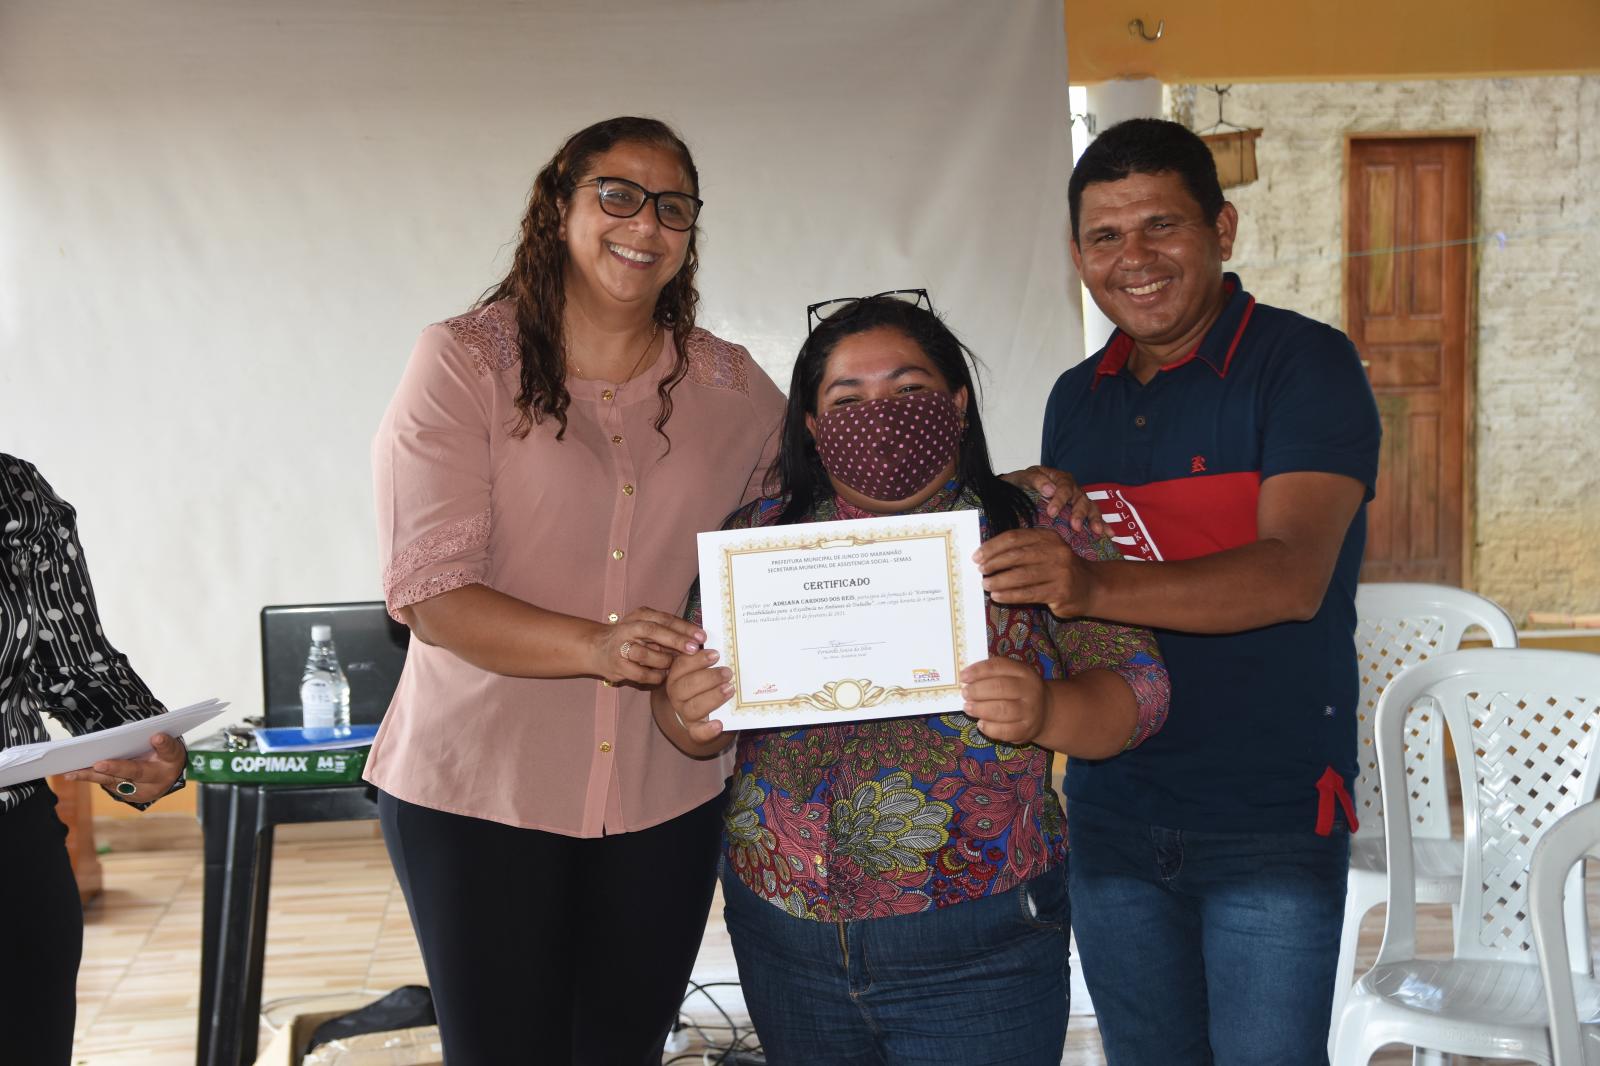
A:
[338,926]
[338,936]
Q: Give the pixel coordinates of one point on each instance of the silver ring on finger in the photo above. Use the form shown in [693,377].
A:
[126,788]
[627,646]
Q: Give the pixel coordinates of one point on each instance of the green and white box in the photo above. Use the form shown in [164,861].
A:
[338,767]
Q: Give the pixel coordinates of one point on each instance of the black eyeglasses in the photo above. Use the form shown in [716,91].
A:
[818,313]
[621,198]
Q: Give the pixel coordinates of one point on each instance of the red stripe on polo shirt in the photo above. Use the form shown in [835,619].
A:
[1238,335]
[1180,519]
[1121,346]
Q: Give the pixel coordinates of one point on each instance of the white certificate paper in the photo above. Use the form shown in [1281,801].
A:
[844,621]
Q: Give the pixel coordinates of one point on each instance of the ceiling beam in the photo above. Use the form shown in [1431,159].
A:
[1316,40]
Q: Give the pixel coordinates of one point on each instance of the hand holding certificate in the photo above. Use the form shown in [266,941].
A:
[842,621]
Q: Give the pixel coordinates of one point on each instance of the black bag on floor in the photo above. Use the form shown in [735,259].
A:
[407,1007]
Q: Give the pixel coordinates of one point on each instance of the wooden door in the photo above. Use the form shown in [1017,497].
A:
[1408,224]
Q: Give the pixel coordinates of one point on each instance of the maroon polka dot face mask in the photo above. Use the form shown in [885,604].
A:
[891,448]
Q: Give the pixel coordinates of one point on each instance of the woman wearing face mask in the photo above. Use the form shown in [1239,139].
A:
[896,890]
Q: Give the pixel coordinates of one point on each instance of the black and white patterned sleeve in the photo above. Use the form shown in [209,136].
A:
[77,676]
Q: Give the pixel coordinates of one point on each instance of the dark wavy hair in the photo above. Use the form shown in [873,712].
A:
[1148,146]
[798,475]
[537,280]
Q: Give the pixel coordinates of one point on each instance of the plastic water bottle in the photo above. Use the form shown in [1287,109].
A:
[324,691]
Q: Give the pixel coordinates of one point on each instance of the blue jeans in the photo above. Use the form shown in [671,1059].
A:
[980,982]
[1203,948]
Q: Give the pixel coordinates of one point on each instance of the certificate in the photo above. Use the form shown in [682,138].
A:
[844,621]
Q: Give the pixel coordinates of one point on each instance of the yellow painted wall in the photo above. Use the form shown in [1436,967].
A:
[1315,40]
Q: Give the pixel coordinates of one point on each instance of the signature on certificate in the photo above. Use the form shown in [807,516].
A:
[843,649]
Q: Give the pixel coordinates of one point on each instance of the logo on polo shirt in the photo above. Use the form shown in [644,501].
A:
[1197,465]
[1128,531]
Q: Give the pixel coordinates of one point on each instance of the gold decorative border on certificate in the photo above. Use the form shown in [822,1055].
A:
[843,694]
[853,693]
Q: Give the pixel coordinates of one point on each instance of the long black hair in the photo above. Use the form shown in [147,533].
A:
[800,478]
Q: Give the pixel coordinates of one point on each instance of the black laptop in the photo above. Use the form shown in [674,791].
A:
[371,646]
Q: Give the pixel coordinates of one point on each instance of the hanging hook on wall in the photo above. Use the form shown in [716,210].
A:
[1222,92]
[1137,27]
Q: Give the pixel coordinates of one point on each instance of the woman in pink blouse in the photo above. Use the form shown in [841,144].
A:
[541,474]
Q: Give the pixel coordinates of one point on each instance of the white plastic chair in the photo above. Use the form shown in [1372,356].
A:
[1523,724]
[1555,885]
[1399,625]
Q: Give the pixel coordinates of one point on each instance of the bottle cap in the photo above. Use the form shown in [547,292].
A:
[321,632]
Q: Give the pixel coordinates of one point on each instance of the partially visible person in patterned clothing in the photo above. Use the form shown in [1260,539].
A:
[896,890]
[55,660]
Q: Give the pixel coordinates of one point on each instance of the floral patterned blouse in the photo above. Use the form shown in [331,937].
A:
[869,819]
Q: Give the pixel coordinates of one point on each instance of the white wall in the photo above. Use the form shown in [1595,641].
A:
[222,225]
[1109,103]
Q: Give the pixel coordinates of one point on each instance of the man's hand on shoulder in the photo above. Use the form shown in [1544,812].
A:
[1061,493]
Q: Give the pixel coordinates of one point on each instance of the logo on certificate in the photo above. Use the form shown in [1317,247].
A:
[767,689]
[924,675]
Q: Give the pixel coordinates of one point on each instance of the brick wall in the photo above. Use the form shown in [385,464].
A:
[1537,421]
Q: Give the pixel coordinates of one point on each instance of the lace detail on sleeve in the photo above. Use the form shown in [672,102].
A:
[489,335]
[716,363]
[429,587]
[400,585]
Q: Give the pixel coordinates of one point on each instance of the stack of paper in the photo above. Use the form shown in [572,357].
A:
[28,762]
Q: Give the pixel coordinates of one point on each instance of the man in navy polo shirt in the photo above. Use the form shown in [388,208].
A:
[1231,448]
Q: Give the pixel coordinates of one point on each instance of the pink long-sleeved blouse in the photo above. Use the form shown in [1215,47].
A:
[593,525]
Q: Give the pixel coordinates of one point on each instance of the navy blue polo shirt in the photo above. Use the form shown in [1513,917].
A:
[1262,732]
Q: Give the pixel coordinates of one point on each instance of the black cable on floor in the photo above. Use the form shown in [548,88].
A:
[742,1045]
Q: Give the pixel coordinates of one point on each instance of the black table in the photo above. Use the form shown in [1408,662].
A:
[237,822]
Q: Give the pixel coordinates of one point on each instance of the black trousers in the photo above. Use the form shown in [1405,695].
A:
[43,923]
[548,949]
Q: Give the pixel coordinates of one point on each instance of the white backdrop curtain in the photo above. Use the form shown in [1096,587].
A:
[222,225]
